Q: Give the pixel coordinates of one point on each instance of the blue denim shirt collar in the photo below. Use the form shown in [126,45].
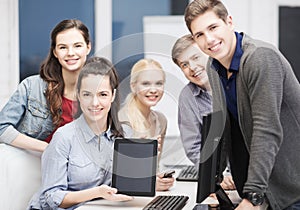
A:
[87,132]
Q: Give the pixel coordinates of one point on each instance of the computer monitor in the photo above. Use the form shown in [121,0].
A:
[212,162]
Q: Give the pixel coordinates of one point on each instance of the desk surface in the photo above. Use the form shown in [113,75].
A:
[179,188]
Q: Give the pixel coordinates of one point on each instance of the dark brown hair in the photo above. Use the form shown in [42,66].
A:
[102,66]
[51,69]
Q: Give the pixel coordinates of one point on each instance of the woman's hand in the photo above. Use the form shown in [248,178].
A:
[163,184]
[110,193]
[159,145]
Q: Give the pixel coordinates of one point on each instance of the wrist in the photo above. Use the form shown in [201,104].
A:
[256,198]
[96,192]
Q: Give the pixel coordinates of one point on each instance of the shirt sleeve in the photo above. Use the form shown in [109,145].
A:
[54,172]
[12,113]
[189,127]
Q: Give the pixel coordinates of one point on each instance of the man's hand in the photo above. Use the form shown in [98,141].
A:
[246,205]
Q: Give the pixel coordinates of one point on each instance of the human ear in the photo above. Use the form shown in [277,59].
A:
[114,95]
[54,53]
[230,22]
[89,46]
[133,88]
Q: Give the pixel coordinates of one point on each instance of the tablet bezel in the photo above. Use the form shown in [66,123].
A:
[119,141]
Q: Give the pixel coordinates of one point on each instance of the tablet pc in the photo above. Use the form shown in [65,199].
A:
[134,166]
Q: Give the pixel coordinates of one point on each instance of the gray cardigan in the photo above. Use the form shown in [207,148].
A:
[268,102]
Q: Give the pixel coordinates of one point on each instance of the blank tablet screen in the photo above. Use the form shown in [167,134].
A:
[134,166]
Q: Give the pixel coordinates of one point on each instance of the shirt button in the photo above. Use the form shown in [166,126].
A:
[227,87]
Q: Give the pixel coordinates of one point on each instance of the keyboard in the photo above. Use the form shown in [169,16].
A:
[167,202]
[188,174]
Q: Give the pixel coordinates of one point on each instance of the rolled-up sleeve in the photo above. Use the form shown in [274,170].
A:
[52,199]
[12,113]
[9,135]
[54,172]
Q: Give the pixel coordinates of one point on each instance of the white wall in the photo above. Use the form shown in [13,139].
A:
[160,34]
[103,28]
[9,54]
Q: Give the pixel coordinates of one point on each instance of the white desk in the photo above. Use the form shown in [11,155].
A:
[179,188]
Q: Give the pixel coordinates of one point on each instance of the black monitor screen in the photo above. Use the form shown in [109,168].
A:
[210,139]
[212,160]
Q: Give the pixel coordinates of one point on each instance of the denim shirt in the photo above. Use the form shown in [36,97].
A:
[26,112]
[76,159]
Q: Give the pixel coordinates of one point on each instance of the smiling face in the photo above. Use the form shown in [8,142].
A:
[215,37]
[95,97]
[149,86]
[71,50]
[193,64]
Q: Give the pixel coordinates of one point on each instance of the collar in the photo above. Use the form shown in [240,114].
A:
[235,62]
[196,90]
[88,134]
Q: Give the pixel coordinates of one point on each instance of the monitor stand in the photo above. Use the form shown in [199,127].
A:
[223,199]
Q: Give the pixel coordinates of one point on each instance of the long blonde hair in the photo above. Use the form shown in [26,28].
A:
[135,116]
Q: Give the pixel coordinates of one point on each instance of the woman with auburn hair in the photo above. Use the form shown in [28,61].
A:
[44,102]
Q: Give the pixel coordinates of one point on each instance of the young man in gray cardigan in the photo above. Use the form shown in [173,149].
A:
[256,85]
